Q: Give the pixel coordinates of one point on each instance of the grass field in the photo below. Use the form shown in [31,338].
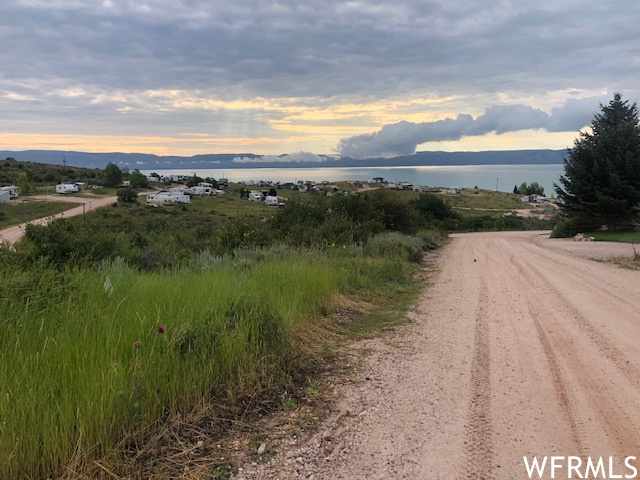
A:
[76,380]
[625,237]
[20,212]
[472,212]
[486,199]
[229,205]
[86,193]
[89,358]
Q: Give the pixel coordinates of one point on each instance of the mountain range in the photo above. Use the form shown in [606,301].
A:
[144,161]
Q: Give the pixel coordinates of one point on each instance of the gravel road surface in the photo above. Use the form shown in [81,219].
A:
[15,233]
[521,346]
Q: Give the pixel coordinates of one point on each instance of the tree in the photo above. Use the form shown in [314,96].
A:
[112,175]
[24,185]
[138,180]
[515,189]
[194,180]
[534,189]
[432,208]
[601,184]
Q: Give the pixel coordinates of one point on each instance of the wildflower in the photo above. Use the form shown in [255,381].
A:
[161,329]
[137,345]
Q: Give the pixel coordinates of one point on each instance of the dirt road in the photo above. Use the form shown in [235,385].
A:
[13,234]
[521,347]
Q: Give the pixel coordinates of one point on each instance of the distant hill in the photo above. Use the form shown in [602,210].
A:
[44,173]
[226,161]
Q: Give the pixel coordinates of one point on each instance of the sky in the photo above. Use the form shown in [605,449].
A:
[307,77]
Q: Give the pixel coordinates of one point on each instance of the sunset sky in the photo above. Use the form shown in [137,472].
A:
[358,78]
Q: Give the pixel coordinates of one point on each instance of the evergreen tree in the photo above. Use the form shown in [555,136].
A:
[601,184]
[112,175]
[515,189]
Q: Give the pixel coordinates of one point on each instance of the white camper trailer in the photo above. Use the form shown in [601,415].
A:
[255,196]
[66,188]
[271,201]
[12,190]
[199,190]
[167,198]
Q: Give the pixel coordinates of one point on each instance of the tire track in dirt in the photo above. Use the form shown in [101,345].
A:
[579,273]
[609,350]
[479,442]
[621,427]
[567,404]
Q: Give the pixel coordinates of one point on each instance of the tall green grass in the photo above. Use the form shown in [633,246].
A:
[85,361]
[90,357]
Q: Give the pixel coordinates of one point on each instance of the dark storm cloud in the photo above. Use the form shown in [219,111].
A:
[318,48]
[402,138]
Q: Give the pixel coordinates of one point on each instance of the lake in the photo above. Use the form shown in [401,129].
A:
[490,177]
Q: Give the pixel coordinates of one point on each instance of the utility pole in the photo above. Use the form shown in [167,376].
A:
[64,160]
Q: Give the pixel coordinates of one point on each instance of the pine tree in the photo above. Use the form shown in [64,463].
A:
[601,184]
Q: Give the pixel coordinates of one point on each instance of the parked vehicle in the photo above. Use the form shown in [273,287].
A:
[167,198]
[271,201]
[63,188]
[255,197]
[12,189]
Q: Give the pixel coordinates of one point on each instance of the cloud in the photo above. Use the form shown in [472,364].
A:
[402,138]
[246,48]
[299,157]
[78,66]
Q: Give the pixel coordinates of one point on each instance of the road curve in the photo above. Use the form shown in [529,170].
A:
[521,346]
[15,233]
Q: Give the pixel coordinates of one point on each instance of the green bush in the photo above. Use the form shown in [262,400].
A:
[127,195]
[434,211]
[431,238]
[395,244]
[569,227]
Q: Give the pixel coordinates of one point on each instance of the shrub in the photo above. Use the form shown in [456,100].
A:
[127,195]
[431,239]
[395,244]
[435,211]
[568,227]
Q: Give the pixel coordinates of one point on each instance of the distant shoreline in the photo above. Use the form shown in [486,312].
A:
[492,177]
[247,160]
